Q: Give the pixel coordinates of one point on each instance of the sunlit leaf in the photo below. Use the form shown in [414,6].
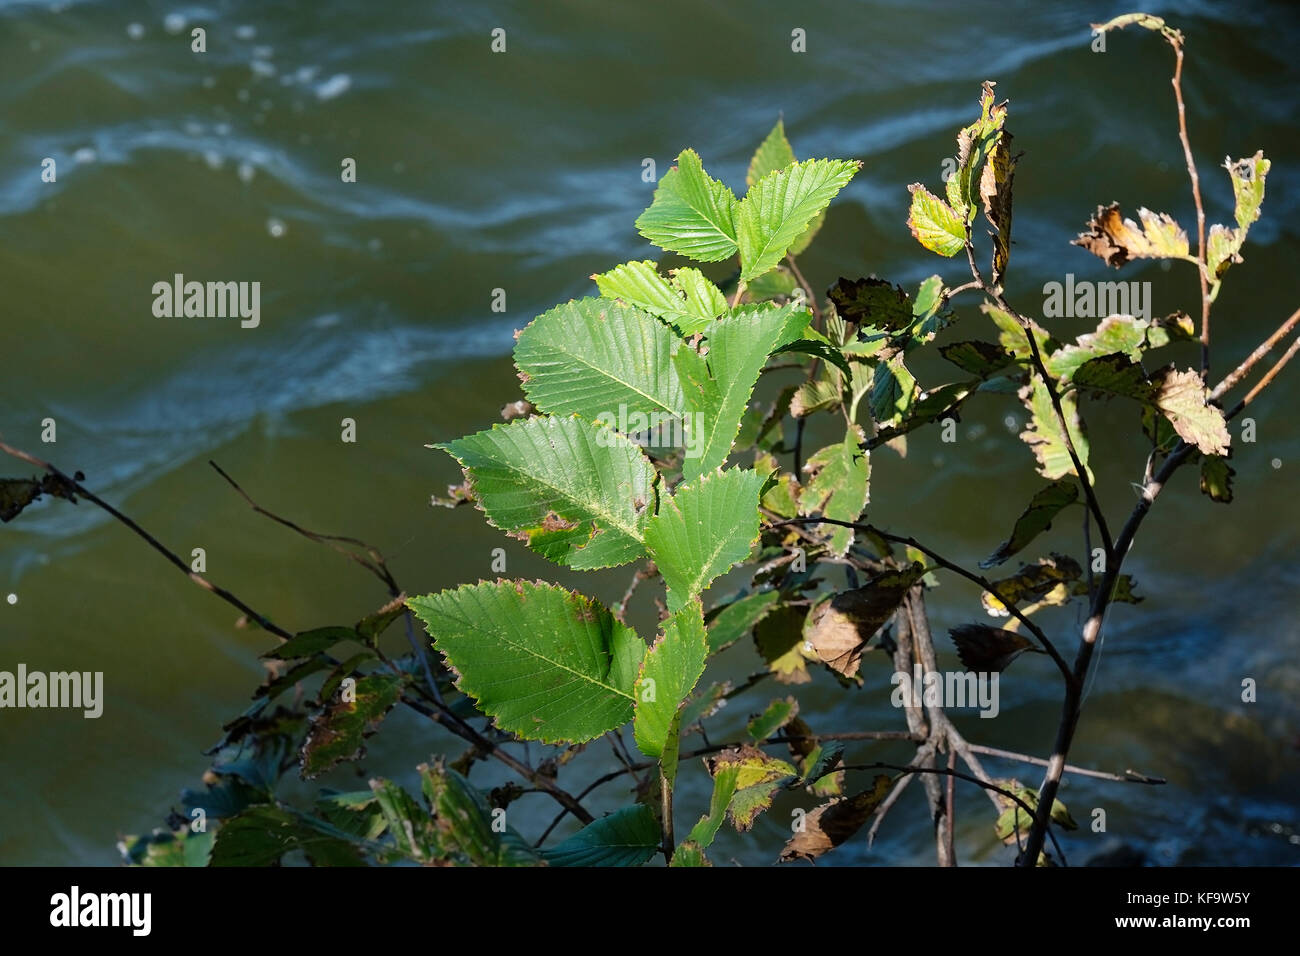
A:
[577,493]
[692,213]
[669,672]
[547,663]
[704,529]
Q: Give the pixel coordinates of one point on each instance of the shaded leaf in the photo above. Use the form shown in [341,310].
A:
[779,639]
[1031,582]
[735,621]
[838,485]
[1037,518]
[1216,478]
[873,302]
[627,837]
[465,822]
[338,732]
[978,358]
[777,715]
[985,649]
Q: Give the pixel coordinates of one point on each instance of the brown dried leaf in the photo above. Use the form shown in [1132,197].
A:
[833,823]
[1115,240]
[838,630]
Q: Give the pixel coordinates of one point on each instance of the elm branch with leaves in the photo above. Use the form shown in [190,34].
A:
[682,354]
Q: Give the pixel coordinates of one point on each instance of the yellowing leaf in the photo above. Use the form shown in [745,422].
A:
[1115,240]
[934,223]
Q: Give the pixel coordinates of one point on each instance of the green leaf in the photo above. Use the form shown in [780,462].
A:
[777,715]
[772,155]
[704,301]
[578,493]
[547,663]
[1012,335]
[778,638]
[308,643]
[1044,435]
[412,827]
[688,300]
[838,486]
[1248,177]
[873,302]
[779,207]
[1216,478]
[978,358]
[893,390]
[718,388]
[1223,246]
[724,787]
[934,223]
[1037,518]
[592,357]
[338,732]
[627,837]
[692,213]
[703,530]
[689,854]
[261,835]
[669,672]
[465,822]
[738,618]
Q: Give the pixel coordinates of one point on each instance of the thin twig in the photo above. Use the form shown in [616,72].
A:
[1250,361]
[1128,776]
[438,713]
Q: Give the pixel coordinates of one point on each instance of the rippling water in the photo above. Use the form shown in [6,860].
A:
[522,171]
